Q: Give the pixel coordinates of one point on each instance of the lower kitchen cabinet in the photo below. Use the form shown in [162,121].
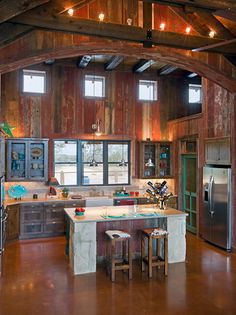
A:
[12,227]
[44,219]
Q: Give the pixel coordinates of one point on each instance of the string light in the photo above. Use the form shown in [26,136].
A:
[101,17]
[212,34]
[188,30]
[70,12]
[129,21]
[162,26]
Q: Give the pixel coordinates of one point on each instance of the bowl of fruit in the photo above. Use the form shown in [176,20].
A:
[79,211]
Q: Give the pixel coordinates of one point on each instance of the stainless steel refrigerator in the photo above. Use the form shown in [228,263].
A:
[216,216]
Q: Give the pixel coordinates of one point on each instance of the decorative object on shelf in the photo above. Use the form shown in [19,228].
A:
[79,211]
[159,193]
[150,163]
[65,192]
[17,191]
[36,152]
[52,182]
[6,130]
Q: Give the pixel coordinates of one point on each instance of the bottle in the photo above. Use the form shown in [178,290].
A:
[151,193]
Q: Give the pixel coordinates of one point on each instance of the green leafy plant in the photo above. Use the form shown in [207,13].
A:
[65,192]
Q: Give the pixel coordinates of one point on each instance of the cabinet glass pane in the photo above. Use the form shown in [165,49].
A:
[164,158]
[18,160]
[37,162]
[149,160]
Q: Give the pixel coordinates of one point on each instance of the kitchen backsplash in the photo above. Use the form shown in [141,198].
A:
[41,189]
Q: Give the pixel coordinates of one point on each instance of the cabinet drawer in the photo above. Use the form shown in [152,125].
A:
[30,229]
[54,214]
[144,201]
[54,227]
[32,206]
[54,205]
[32,215]
[76,203]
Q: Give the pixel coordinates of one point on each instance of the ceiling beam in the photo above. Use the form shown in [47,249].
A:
[211,22]
[142,65]
[231,59]
[120,32]
[226,42]
[192,20]
[227,14]
[113,62]
[83,61]
[204,4]
[10,32]
[10,9]
[168,69]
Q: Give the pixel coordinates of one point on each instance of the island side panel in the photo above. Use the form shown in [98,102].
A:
[82,249]
[176,227]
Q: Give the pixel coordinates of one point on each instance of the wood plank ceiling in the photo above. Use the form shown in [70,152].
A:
[19,17]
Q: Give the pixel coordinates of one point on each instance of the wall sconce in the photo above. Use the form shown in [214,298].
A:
[96,128]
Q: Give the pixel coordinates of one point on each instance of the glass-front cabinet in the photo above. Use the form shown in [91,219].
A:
[155,159]
[27,159]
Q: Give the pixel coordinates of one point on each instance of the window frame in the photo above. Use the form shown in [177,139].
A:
[80,164]
[35,73]
[154,83]
[95,77]
[199,87]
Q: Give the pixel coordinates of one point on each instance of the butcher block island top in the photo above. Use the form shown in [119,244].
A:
[87,232]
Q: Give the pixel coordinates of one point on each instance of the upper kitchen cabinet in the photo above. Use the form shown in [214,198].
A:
[27,159]
[155,159]
[217,151]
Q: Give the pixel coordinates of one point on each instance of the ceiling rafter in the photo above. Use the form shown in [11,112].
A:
[10,9]
[142,65]
[10,32]
[119,32]
[192,20]
[203,4]
[227,14]
[168,69]
[113,62]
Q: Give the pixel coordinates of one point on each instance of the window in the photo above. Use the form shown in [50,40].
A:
[147,90]
[88,162]
[195,93]
[117,152]
[34,81]
[65,162]
[94,86]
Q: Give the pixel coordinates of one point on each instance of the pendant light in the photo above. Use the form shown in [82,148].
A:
[122,162]
[93,162]
[149,163]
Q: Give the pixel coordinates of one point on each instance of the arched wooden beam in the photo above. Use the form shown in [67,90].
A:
[39,46]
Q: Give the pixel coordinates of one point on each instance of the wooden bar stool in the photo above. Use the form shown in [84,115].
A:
[122,263]
[158,260]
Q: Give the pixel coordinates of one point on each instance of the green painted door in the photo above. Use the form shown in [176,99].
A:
[189,187]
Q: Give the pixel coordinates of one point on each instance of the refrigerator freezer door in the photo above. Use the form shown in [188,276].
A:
[221,223]
[206,215]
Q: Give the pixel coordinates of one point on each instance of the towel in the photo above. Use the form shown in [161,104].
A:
[156,232]
[116,234]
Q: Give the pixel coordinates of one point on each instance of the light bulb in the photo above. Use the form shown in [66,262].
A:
[101,17]
[212,34]
[129,21]
[70,12]
[188,30]
[162,26]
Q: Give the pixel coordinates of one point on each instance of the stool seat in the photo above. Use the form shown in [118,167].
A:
[114,263]
[157,260]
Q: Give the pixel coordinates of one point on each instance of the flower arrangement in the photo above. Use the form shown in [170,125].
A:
[65,192]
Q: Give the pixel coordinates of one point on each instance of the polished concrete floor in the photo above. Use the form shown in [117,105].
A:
[37,280]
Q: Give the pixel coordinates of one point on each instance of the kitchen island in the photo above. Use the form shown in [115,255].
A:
[84,237]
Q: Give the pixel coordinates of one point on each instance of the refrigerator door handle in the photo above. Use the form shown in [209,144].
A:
[211,196]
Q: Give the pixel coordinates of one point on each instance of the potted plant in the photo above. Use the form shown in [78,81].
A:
[65,192]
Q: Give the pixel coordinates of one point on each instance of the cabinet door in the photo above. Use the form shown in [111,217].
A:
[16,160]
[38,160]
[31,213]
[164,160]
[31,230]
[74,203]
[55,214]
[12,226]
[54,228]
[148,155]
[224,152]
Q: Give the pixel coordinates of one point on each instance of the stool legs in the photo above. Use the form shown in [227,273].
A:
[166,256]
[113,263]
[130,260]
[143,251]
[150,257]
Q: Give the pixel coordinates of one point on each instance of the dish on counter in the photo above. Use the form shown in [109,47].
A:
[17,191]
